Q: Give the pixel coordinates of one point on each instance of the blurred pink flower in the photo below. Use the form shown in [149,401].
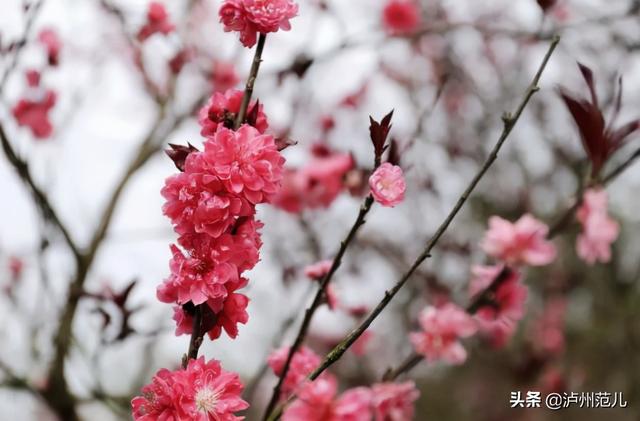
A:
[196,200]
[497,319]
[34,113]
[315,185]
[387,185]
[547,332]
[224,77]
[250,17]
[441,330]
[303,363]
[51,41]
[16,267]
[318,270]
[599,231]
[202,392]
[401,17]
[247,162]
[394,401]
[317,402]
[522,242]
[157,22]
[221,109]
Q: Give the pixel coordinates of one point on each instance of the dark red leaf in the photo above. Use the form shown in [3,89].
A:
[179,153]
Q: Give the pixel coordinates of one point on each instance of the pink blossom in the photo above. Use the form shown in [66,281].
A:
[317,402]
[497,319]
[226,313]
[599,231]
[157,22]
[315,185]
[522,242]
[318,270]
[224,77]
[195,280]
[201,392]
[302,364]
[401,16]
[247,162]
[353,405]
[387,185]
[33,78]
[49,38]
[34,113]
[239,245]
[394,401]
[221,109]
[198,202]
[178,61]
[250,17]
[441,330]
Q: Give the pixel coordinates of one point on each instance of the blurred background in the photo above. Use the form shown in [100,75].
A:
[119,101]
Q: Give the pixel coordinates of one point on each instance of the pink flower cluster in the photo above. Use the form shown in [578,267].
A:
[441,330]
[250,17]
[158,22]
[317,184]
[201,392]
[318,400]
[51,41]
[33,109]
[212,206]
[599,231]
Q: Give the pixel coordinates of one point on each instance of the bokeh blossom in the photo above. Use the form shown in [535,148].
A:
[522,242]
[599,230]
[441,329]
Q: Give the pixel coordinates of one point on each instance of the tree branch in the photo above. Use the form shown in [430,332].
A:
[509,121]
[251,80]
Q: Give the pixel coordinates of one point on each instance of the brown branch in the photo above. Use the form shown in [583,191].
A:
[484,296]
[317,301]
[251,80]
[509,121]
[39,196]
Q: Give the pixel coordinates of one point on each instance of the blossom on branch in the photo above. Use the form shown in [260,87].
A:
[158,22]
[203,391]
[34,114]
[498,315]
[522,242]
[599,231]
[441,330]
[394,401]
[250,17]
[51,41]
[304,361]
[387,185]
[247,162]
[222,108]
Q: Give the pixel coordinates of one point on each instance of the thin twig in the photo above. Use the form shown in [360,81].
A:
[317,301]
[509,121]
[251,80]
